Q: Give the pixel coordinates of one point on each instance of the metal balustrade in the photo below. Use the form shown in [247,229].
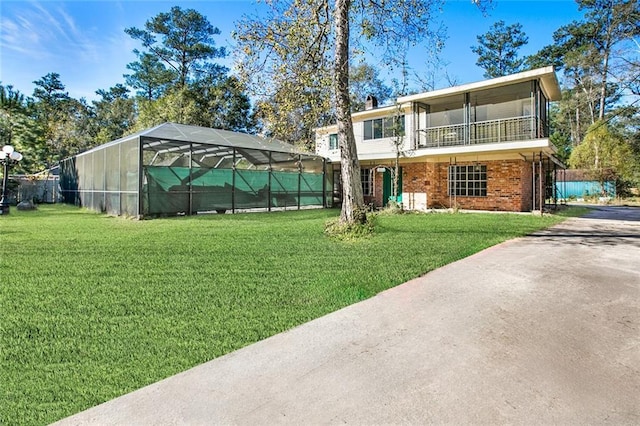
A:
[490,131]
[442,136]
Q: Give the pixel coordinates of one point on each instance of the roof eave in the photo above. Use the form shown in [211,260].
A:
[547,75]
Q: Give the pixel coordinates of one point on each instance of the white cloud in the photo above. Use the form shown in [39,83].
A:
[40,31]
[37,38]
[21,34]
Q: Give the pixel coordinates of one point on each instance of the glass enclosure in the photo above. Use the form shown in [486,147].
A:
[176,169]
[501,114]
[104,179]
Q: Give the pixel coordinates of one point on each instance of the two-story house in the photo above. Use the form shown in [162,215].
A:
[481,145]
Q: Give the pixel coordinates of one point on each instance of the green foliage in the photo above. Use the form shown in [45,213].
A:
[285,59]
[599,59]
[178,80]
[115,114]
[497,49]
[176,106]
[392,207]
[47,127]
[560,129]
[150,76]
[362,227]
[606,155]
[222,104]
[15,122]
[13,103]
[67,128]
[186,41]
[50,92]
[364,81]
[572,211]
[563,143]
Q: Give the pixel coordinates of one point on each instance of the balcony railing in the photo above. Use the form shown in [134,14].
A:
[491,131]
[441,136]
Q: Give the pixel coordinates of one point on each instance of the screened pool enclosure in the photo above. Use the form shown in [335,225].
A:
[177,169]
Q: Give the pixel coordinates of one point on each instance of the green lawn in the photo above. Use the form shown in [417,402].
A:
[93,307]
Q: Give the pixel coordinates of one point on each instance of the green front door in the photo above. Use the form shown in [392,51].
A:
[387,187]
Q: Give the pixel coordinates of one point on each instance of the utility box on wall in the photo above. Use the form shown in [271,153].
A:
[414,201]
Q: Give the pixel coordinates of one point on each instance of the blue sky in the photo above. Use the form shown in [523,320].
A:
[84,41]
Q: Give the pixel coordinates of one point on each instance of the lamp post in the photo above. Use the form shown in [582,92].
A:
[7,156]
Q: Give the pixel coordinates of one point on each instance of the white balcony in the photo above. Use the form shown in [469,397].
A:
[480,132]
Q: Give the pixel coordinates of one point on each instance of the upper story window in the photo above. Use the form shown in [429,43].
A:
[388,127]
[333,141]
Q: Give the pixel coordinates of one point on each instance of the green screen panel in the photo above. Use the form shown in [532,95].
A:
[212,189]
[252,189]
[311,189]
[165,190]
[167,178]
[284,189]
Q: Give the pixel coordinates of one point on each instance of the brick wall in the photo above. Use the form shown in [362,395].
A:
[509,187]
[377,188]
[527,173]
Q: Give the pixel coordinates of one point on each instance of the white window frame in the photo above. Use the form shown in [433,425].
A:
[333,141]
[380,128]
[468,180]
[366,179]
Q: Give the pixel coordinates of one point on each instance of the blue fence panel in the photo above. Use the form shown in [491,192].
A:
[584,189]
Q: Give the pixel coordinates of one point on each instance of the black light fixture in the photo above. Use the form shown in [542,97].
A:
[7,156]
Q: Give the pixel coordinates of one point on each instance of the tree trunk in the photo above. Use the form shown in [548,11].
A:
[607,46]
[578,139]
[396,176]
[603,89]
[352,198]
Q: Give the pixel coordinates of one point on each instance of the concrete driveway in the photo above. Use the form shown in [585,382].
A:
[538,330]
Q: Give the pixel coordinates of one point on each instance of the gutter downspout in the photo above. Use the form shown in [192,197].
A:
[533,183]
[540,184]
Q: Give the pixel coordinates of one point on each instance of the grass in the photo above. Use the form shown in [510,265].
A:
[93,307]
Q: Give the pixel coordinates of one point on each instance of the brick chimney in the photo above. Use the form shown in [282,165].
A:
[371,102]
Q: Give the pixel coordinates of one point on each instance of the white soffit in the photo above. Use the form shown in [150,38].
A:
[519,146]
[546,75]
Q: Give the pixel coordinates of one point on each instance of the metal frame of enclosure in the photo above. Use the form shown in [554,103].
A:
[175,169]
